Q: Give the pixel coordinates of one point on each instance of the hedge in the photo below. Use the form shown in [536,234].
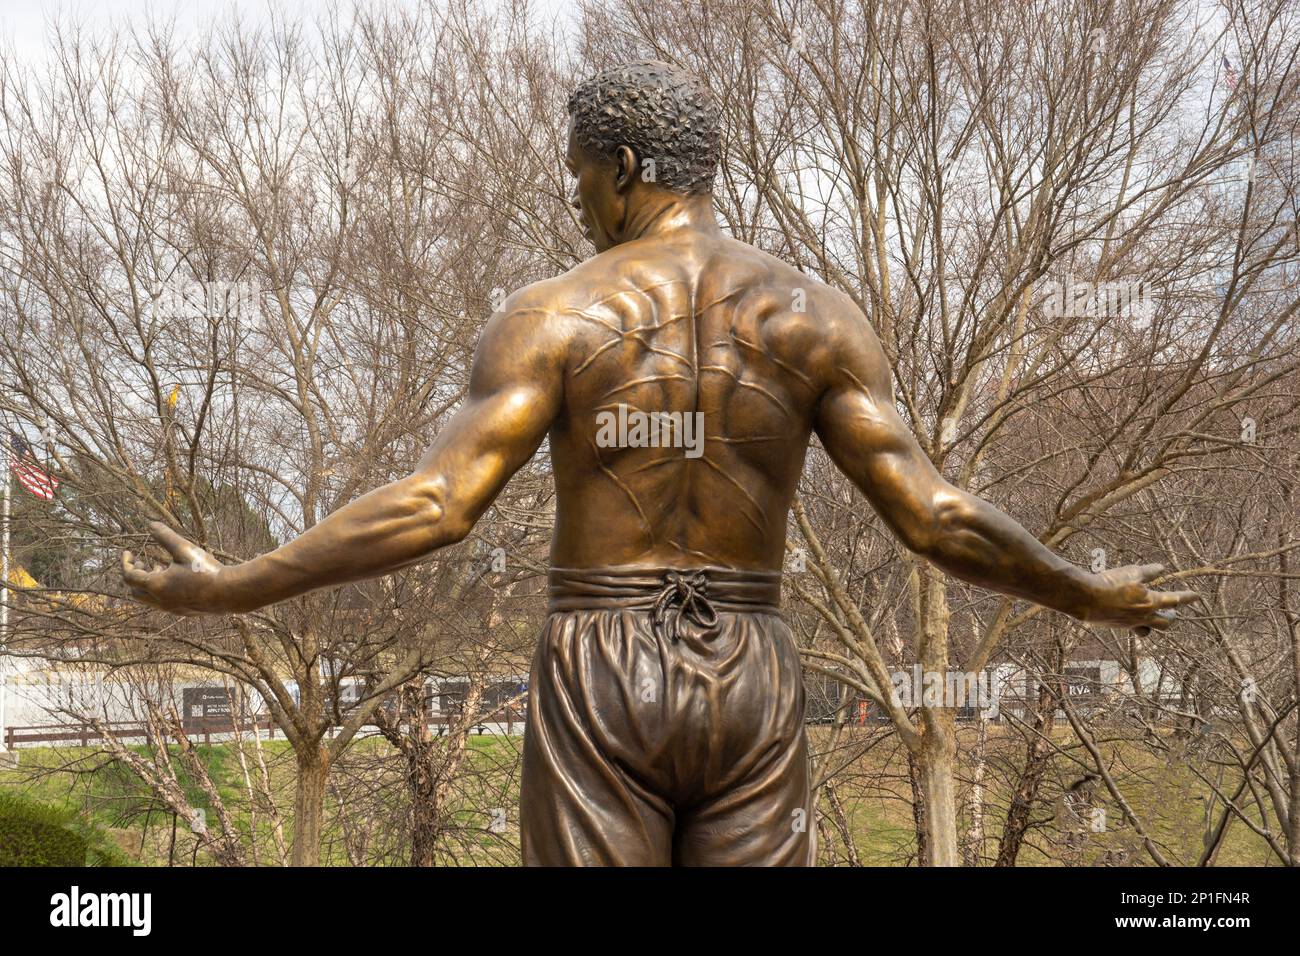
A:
[37,834]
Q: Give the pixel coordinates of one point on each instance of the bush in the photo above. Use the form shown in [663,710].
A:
[37,834]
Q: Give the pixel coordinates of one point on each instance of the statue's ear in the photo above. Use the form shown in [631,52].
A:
[626,173]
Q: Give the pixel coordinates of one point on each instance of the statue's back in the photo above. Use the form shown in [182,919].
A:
[688,405]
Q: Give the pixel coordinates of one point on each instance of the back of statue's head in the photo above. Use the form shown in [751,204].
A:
[665,114]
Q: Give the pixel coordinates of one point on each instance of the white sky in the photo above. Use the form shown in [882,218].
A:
[23,23]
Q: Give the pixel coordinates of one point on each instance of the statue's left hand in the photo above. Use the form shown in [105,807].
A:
[1121,597]
[191,584]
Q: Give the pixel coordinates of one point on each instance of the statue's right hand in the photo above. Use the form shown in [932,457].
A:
[190,584]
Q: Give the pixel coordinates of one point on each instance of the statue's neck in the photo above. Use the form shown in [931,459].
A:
[663,213]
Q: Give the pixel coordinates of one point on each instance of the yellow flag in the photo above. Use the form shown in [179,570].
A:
[172,399]
[18,575]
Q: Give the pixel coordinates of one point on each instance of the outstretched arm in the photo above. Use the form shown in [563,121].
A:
[515,393]
[965,536]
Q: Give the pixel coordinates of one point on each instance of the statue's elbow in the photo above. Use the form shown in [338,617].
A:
[437,510]
[922,539]
[943,519]
[454,527]
[451,523]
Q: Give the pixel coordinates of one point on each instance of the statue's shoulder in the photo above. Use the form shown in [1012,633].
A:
[827,305]
[528,322]
[537,300]
[785,275]
[808,318]
[562,293]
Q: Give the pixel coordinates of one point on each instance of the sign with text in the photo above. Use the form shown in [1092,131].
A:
[1082,681]
[203,705]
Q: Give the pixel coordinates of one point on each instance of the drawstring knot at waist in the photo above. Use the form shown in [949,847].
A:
[683,595]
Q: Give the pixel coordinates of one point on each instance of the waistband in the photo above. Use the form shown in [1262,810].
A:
[727,589]
[683,602]
[669,593]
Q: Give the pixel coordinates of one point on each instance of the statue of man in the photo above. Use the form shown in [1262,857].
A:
[679,374]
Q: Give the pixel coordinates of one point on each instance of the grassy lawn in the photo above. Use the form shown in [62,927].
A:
[873,789]
[109,799]
[1168,798]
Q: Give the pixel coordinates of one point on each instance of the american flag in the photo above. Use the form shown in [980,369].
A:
[1229,74]
[29,474]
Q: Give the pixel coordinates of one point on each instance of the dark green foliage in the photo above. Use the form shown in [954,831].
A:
[36,834]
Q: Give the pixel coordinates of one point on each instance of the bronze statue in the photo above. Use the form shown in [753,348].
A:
[679,374]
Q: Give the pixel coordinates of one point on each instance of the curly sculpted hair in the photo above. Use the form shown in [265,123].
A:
[662,113]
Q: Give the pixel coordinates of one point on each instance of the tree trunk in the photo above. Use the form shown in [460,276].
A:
[975,831]
[1037,757]
[938,766]
[432,764]
[309,806]
[918,808]
[938,745]
[426,810]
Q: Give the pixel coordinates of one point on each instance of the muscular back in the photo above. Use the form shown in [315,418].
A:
[674,326]
[679,323]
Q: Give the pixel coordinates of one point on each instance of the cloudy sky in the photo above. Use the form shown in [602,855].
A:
[23,23]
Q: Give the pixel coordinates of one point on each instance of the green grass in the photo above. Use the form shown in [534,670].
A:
[1167,796]
[113,807]
[110,798]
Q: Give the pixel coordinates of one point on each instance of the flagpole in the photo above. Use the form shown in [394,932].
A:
[4,606]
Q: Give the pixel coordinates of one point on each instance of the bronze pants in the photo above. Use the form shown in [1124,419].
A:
[665,724]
